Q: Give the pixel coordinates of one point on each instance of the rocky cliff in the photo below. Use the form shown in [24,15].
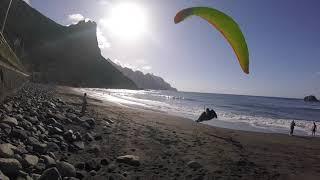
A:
[60,54]
[144,81]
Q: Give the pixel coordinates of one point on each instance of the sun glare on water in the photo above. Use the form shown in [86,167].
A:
[128,21]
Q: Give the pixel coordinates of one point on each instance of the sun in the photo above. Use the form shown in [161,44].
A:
[128,21]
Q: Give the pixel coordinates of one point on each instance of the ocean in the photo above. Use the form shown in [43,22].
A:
[249,113]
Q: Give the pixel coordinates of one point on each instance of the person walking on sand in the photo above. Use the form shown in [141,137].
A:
[314,128]
[84,104]
[292,127]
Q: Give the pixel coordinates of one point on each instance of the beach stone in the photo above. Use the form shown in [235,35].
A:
[79,145]
[30,160]
[80,166]
[50,174]
[11,121]
[49,162]
[24,178]
[66,169]
[112,167]
[88,137]
[104,162]
[94,149]
[51,121]
[6,128]
[52,147]
[34,120]
[98,137]
[6,150]
[37,145]
[40,167]
[93,173]
[69,136]
[9,165]
[93,164]
[35,176]
[71,116]
[3,177]
[129,159]
[54,130]
[194,165]
[19,134]
[81,174]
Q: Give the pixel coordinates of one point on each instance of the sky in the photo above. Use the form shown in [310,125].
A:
[282,36]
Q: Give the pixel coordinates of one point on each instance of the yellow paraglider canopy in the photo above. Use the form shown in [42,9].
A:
[226,25]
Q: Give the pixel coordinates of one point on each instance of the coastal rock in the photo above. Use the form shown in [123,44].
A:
[37,145]
[49,162]
[79,145]
[20,134]
[104,162]
[9,165]
[66,169]
[50,174]
[6,128]
[94,149]
[129,159]
[310,98]
[3,177]
[194,165]
[88,137]
[30,160]
[6,150]
[10,121]
[93,164]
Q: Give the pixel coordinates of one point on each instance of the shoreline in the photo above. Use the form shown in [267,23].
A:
[268,155]
[43,134]
[220,123]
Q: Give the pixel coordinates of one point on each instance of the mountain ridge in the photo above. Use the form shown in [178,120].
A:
[144,80]
[67,55]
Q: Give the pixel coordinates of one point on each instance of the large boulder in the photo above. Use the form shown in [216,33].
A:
[129,159]
[3,177]
[10,121]
[66,169]
[30,160]
[6,150]
[310,98]
[50,174]
[9,165]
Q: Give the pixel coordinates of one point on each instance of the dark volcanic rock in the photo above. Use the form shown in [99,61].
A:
[310,98]
[9,165]
[75,46]
[10,121]
[129,159]
[66,169]
[51,174]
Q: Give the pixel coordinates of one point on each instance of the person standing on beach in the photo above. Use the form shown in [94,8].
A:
[314,128]
[292,127]
[84,104]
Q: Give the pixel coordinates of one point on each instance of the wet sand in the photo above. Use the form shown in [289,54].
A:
[166,146]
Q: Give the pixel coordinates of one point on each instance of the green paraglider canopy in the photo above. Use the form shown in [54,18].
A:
[226,25]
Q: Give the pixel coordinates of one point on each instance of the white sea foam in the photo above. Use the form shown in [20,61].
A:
[150,99]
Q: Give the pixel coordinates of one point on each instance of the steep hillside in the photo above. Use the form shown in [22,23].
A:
[60,54]
[144,81]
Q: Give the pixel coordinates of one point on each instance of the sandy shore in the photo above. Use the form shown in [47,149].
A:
[172,147]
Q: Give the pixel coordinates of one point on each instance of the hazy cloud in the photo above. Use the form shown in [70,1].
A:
[147,68]
[75,18]
[102,40]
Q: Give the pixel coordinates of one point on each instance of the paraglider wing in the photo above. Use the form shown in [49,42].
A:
[226,25]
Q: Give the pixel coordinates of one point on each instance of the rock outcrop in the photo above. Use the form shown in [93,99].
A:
[310,98]
[59,54]
[144,81]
